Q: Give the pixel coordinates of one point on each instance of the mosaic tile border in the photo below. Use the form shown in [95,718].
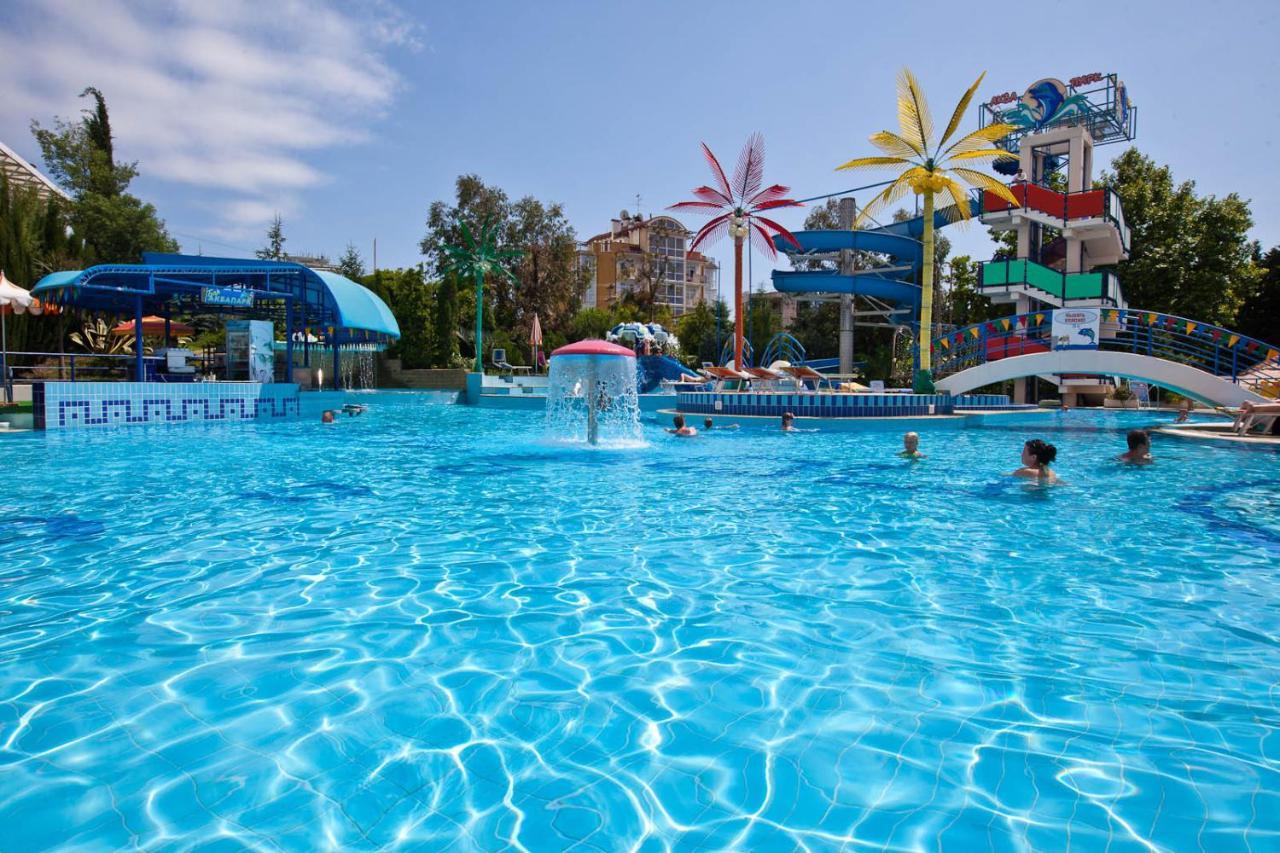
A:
[76,405]
[814,405]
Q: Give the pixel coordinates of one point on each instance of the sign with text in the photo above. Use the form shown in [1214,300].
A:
[1075,328]
[226,297]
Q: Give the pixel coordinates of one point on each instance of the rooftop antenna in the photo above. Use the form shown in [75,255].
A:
[638,214]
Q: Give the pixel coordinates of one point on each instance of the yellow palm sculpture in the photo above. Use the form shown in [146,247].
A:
[929,169]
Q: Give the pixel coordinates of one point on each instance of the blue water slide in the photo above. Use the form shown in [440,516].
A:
[652,369]
[899,240]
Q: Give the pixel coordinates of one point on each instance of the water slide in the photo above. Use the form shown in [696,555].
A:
[899,240]
[651,370]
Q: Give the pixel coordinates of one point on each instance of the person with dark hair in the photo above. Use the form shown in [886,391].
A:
[788,422]
[1139,448]
[709,424]
[1037,455]
[680,428]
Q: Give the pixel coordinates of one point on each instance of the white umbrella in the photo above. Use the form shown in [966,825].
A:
[535,340]
[19,301]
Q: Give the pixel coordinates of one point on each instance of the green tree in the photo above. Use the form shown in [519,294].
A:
[545,281]
[697,333]
[351,264]
[1190,255]
[1259,314]
[412,303]
[590,323]
[115,227]
[80,155]
[763,323]
[274,250]
[446,323]
[963,303]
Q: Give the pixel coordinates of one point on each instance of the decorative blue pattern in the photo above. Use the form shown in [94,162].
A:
[814,405]
[68,405]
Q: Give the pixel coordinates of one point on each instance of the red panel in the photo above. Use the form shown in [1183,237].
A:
[1086,205]
[1007,346]
[992,203]
[1043,200]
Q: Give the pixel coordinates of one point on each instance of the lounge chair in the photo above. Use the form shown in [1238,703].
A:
[499,360]
[803,373]
[727,374]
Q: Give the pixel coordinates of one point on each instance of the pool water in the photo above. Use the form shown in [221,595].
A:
[429,627]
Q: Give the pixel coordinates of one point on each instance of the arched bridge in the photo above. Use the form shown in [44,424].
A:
[1201,361]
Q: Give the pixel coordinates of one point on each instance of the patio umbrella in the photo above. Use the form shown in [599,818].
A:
[19,301]
[153,325]
[535,339]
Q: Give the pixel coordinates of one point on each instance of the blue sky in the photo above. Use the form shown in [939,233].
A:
[351,118]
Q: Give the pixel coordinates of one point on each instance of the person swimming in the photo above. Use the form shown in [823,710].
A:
[1139,452]
[326,417]
[680,428]
[788,422]
[1037,455]
[708,424]
[911,446]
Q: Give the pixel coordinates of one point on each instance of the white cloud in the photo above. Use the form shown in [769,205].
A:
[226,96]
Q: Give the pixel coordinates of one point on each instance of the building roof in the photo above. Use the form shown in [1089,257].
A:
[23,174]
[319,299]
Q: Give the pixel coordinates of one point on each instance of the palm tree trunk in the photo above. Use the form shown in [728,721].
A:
[479,322]
[737,303]
[926,287]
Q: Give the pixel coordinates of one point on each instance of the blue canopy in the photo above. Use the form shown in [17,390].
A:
[344,310]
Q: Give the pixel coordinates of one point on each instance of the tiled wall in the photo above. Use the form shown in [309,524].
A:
[985,401]
[814,405]
[77,405]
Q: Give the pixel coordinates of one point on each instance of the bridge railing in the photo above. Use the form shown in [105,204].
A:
[1230,355]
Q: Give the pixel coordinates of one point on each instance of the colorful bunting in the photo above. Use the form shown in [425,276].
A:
[1039,319]
[1191,327]
[1217,335]
[1232,341]
[1272,355]
[974,333]
[946,344]
[1005,324]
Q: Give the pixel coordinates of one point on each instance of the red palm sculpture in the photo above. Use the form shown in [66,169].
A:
[736,206]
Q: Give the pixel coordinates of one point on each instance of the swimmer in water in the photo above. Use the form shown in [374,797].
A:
[911,446]
[681,429]
[1037,455]
[788,422]
[1139,452]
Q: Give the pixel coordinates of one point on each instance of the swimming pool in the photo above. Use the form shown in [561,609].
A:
[426,626]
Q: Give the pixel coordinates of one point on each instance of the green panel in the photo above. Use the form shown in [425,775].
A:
[1084,285]
[993,272]
[1044,278]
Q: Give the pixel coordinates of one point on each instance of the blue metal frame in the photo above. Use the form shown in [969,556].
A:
[1150,333]
[337,309]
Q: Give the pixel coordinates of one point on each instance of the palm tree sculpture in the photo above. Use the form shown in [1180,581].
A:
[736,207]
[928,170]
[476,257]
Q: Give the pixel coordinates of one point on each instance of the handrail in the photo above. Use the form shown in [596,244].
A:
[1060,206]
[1211,348]
[1108,291]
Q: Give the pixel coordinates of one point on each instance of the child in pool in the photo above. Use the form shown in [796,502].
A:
[911,446]
[788,422]
[1139,448]
[1037,455]
[680,428]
